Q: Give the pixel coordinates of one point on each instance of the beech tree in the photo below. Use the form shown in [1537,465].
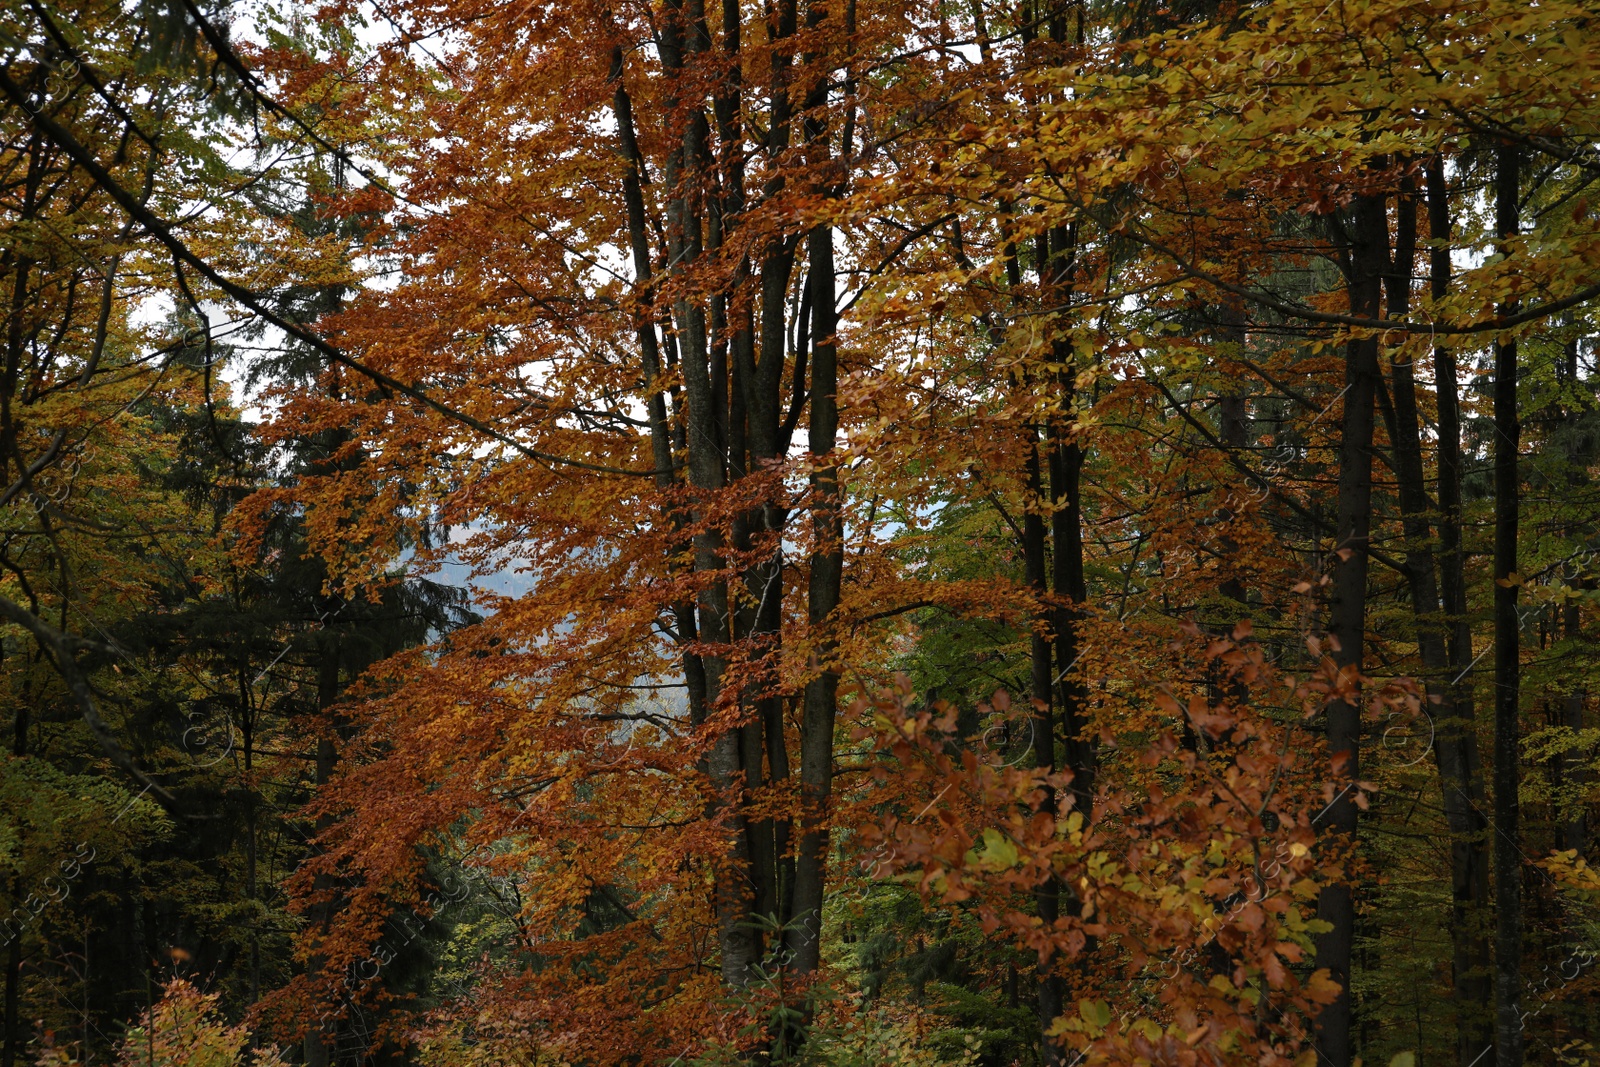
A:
[1033,463]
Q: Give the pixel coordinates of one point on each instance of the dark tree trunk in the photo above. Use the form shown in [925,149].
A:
[1066,531]
[1047,897]
[1449,728]
[1235,434]
[1336,903]
[1456,742]
[827,564]
[820,699]
[1507,663]
[684,36]
[1234,427]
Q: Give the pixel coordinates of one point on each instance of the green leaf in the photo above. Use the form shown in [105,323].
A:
[999,852]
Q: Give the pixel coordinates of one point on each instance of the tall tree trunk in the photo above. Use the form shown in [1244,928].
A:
[1066,561]
[1066,564]
[650,361]
[1336,903]
[1507,659]
[684,35]
[1047,897]
[763,752]
[1454,747]
[1234,419]
[1457,740]
[758,366]
[827,565]
[827,496]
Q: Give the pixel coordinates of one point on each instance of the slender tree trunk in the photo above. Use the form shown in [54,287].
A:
[1456,742]
[1507,661]
[1047,897]
[827,554]
[1235,418]
[763,751]
[758,369]
[1057,251]
[1455,751]
[827,564]
[827,558]
[1336,903]
[650,360]
[1066,522]
[684,35]
[1066,562]
[1234,435]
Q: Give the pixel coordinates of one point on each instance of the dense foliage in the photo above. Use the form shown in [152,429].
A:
[821,531]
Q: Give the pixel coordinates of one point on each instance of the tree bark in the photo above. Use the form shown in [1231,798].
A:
[1457,739]
[1450,727]
[1234,433]
[684,35]
[827,566]
[1336,903]
[827,504]
[1507,658]
[1066,563]
[1047,897]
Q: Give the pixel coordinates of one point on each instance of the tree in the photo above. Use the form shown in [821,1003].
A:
[1079,350]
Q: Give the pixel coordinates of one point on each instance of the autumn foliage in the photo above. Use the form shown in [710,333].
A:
[836,531]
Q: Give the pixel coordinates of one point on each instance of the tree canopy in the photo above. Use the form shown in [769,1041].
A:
[822,531]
